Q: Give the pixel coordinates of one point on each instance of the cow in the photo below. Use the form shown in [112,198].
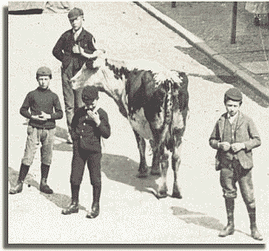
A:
[153,99]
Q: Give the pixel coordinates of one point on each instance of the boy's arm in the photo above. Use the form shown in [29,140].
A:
[58,49]
[74,124]
[255,139]
[214,138]
[58,112]
[93,42]
[104,126]
[24,110]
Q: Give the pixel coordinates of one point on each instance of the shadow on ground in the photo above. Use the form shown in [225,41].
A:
[200,219]
[61,133]
[60,200]
[197,218]
[118,168]
[124,170]
[221,76]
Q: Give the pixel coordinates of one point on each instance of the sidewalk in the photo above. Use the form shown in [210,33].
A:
[207,27]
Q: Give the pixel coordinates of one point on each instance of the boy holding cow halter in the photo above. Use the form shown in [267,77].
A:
[234,136]
[73,49]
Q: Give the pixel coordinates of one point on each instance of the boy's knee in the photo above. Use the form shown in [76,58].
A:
[229,194]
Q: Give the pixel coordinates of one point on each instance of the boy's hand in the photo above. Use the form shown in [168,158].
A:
[225,146]
[76,49]
[37,117]
[236,147]
[44,116]
[94,116]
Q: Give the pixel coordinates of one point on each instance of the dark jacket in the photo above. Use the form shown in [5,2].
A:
[63,48]
[245,132]
[42,100]
[86,131]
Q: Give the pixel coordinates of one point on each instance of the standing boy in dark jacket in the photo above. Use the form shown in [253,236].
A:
[234,136]
[89,124]
[45,108]
[70,50]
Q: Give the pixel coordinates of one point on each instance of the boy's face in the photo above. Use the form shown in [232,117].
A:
[90,103]
[76,23]
[232,107]
[43,81]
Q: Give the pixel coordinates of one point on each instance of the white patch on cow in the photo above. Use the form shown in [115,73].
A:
[140,124]
[177,121]
[138,120]
[163,76]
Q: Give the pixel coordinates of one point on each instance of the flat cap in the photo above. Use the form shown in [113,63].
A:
[74,13]
[234,94]
[90,92]
[43,71]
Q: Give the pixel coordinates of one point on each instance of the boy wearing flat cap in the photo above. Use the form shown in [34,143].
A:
[42,107]
[70,49]
[234,137]
[89,124]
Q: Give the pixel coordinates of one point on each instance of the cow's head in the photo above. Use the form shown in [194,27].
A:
[90,73]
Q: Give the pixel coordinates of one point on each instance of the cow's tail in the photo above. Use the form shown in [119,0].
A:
[168,103]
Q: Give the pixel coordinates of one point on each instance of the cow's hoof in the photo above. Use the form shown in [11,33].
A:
[155,172]
[161,194]
[177,195]
[142,175]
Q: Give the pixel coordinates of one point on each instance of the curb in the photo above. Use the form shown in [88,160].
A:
[203,47]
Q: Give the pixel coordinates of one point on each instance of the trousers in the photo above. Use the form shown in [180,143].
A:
[233,173]
[80,157]
[72,98]
[34,137]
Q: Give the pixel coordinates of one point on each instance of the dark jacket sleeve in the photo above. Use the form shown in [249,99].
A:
[74,124]
[254,137]
[58,49]
[91,42]
[214,137]
[104,126]
[58,112]
[24,110]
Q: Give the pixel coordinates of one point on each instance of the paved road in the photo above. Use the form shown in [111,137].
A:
[129,211]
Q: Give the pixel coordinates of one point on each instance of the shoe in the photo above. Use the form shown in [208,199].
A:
[256,235]
[73,208]
[17,188]
[46,189]
[95,211]
[228,230]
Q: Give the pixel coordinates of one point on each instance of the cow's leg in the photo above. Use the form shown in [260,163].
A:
[164,156]
[143,169]
[175,165]
[155,168]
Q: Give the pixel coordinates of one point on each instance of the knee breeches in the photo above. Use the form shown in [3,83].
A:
[232,174]
[80,157]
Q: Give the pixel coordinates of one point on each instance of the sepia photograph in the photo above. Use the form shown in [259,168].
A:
[137,123]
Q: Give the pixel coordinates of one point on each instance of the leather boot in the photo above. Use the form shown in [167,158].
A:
[44,187]
[22,174]
[95,205]
[253,227]
[73,207]
[43,183]
[229,229]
